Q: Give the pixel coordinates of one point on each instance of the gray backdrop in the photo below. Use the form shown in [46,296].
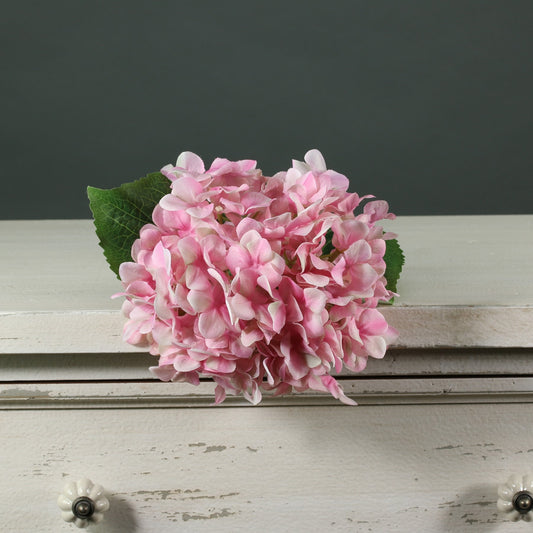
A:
[424,103]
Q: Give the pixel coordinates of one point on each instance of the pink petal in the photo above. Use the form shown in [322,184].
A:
[312,360]
[373,322]
[255,396]
[318,263]
[130,272]
[170,202]
[315,160]
[297,365]
[337,272]
[183,363]
[171,172]
[340,300]
[219,364]
[298,169]
[353,331]
[258,247]
[336,391]
[211,324]
[348,232]
[242,307]
[196,278]
[238,257]
[363,277]
[247,224]
[315,299]
[245,282]
[277,313]
[189,249]
[160,259]
[220,394]
[375,346]
[270,378]
[316,279]
[264,283]
[201,210]
[358,252]
[294,313]
[200,300]
[254,200]
[161,307]
[251,335]
[378,210]
[338,181]
[191,162]
[214,250]
[164,373]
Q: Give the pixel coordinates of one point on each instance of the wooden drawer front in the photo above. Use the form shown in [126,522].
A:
[415,468]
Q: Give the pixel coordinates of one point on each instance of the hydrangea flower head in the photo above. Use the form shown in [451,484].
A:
[261,283]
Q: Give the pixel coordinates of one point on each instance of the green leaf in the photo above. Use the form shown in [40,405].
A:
[328,247]
[394,259]
[120,213]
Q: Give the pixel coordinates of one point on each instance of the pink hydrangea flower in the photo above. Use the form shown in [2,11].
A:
[261,283]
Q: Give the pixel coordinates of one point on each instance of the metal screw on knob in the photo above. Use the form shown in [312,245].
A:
[523,502]
[83,507]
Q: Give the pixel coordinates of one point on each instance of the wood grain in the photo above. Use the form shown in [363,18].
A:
[431,469]
[467,282]
[442,420]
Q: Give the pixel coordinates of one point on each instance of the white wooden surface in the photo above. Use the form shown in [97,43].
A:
[443,419]
[427,469]
[391,391]
[398,362]
[459,287]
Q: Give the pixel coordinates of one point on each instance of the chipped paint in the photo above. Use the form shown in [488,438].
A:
[211,497]
[451,483]
[30,394]
[214,515]
[159,494]
[222,496]
[482,504]
[219,448]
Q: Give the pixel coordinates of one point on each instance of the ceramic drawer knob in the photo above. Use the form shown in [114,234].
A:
[516,497]
[83,503]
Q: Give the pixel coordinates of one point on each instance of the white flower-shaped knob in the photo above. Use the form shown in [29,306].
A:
[516,497]
[82,502]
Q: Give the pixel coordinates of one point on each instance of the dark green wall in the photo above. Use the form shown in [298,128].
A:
[424,103]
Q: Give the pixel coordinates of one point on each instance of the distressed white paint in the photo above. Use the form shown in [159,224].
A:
[134,366]
[467,282]
[436,431]
[419,327]
[431,469]
[57,265]
[466,260]
[394,391]
[462,326]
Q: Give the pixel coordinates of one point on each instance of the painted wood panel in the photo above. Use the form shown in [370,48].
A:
[433,469]
[436,431]
[397,363]
[57,265]
[394,391]
[467,283]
